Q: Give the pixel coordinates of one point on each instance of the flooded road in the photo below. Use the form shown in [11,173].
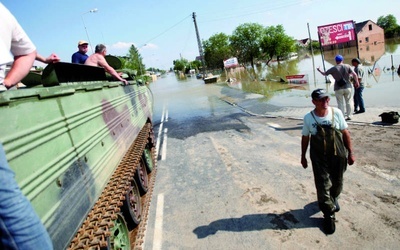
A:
[382,84]
[228,177]
[189,97]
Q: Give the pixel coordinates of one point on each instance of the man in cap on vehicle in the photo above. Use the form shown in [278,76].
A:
[80,56]
[330,151]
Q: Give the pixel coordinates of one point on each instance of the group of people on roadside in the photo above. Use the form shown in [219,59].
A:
[344,93]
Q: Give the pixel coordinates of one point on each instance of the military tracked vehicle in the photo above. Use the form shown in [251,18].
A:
[82,148]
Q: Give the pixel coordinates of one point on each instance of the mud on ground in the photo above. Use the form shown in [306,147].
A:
[377,151]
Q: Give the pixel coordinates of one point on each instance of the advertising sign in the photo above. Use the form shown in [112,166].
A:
[297,79]
[336,33]
[231,63]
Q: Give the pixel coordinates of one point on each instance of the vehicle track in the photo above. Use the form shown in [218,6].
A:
[95,230]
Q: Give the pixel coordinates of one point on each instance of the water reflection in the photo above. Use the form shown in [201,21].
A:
[369,54]
[380,63]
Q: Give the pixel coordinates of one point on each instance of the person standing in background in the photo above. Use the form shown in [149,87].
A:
[358,97]
[344,92]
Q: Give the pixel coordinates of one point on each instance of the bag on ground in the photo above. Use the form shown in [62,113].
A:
[390,117]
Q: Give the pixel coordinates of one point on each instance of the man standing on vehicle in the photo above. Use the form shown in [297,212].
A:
[330,151]
[98,59]
[80,56]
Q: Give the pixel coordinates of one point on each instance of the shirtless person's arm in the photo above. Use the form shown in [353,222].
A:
[103,63]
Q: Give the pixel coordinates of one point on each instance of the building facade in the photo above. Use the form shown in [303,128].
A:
[370,42]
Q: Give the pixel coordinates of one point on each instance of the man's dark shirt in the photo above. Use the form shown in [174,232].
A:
[78,57]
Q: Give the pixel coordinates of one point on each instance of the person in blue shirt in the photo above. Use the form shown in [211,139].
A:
[80,56]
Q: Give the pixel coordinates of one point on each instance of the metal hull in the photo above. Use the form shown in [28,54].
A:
[64,143]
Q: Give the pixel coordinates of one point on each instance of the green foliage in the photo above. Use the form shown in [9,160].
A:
[390,26]
[152,69]
[196,64]
[275,43]
[216,49]
[315,45]
[181,64]
[134,61]
[246,41]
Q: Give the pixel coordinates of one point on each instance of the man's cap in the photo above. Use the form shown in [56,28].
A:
[339,58]
[318,94]
[82,42]
[356,60]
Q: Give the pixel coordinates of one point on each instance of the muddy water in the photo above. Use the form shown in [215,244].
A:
[380,64]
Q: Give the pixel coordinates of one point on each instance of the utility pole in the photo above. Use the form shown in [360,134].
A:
[312,52]
[200,46]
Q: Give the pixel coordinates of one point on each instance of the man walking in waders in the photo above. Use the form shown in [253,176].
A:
[330,150]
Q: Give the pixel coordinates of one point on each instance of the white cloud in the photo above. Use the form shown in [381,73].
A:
[121,45]
[150,46]
[122,48]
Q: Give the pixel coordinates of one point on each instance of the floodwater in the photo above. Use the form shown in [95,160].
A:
[380,64]
[190,97]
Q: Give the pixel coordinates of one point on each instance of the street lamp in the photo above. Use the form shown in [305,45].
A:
[87,34]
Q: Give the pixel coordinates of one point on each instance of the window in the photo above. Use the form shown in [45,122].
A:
[370,27]
[367,39]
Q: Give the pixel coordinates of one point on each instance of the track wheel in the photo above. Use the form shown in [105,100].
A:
[119,238]
[148,158]
[141,177]
[132,208]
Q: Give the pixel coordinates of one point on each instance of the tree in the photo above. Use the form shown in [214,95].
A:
[216,49]
[181,64]
[389,25]
[276,43]
[196,64]
[134,61]
[245,42]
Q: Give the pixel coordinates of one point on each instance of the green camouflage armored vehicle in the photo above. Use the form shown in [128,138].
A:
[82,148]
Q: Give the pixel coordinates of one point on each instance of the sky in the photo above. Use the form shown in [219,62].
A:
[163,30]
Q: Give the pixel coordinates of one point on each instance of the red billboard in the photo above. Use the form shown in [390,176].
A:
[336,33]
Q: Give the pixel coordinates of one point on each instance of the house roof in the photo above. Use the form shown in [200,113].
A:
[304,41]
[361,25]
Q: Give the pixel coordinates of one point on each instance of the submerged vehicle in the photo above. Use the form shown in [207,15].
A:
[83,152]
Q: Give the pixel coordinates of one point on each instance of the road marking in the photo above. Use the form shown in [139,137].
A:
[164,145]
[159,131]
[274,125]
[157,239]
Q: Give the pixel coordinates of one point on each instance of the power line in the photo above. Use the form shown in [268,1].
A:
[259,10]
[165,31]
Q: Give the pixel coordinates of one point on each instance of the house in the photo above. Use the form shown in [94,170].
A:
[303,42]
[369,32]
[370,42]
